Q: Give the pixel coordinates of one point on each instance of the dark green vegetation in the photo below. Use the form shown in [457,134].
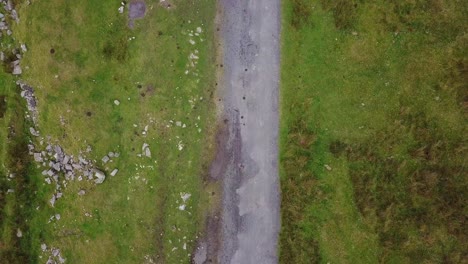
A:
[18,185]
[374,147]
[81,58]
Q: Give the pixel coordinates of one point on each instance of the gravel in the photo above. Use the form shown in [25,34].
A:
[247,158]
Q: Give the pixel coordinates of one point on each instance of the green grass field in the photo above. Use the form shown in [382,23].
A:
[373,133]
[81,57]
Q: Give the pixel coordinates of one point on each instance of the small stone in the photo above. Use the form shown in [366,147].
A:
[66,159]
[23,47]
[57,216]
[33,132]
[148,152]
[38,157]
[116,102]
[43,247]
[81,192]
[19,233]
[328,167]
[111,154]
[52,200]
[145,145]
[56,166]
[114,172]
[121,9]
[105,159]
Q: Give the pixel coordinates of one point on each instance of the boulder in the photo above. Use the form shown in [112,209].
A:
[99,175]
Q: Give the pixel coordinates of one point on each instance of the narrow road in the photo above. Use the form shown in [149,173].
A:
[247,163]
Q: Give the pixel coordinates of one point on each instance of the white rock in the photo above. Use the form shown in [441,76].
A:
[148,152]
[121,9]
[116,102]
[114,172]
[185,196]
[100,176]
[19,233]
[145,145]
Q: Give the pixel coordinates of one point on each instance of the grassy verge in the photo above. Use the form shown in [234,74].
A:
[81,58]
[373,152]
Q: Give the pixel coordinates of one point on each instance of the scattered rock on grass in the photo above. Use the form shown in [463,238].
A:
[114,172]
[99,175]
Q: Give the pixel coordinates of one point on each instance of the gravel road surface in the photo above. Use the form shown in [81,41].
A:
[247,161]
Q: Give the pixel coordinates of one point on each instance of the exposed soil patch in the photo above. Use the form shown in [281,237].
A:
[136,10]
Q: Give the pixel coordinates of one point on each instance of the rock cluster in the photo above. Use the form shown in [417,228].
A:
[55,256]
[55,163]
[27,92]
[5,29]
